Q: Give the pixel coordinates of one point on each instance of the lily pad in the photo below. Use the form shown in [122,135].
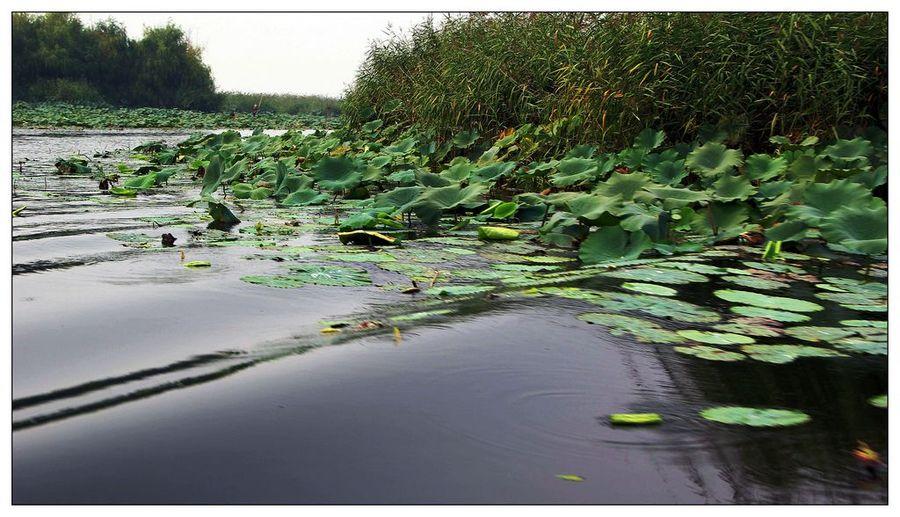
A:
[657,275]
[780,354]
[766,301]
[755,282]
[715,338]
[754,417]
[642,330]
[865,323]
[879,401]
[458,290]
[659,290]
[575,478]
[772,314]
[197,264]
[816,334]
[710,353]
[658,306]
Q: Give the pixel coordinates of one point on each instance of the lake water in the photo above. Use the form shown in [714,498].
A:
[136,380]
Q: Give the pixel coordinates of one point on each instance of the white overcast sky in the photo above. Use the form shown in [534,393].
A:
[301,53]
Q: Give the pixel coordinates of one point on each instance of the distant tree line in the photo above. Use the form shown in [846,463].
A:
[56,58]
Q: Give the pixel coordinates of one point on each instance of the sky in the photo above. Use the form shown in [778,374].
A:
[299,53]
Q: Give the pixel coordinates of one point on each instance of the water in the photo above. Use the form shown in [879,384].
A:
[139,381]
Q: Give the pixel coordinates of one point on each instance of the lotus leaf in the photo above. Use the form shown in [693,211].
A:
[771,314]
[713,159]
[766,301]
[715,338]
[635,418]
[781,354]
[658,290]
[816,334]
[710,353]
[754,417]
[613,243]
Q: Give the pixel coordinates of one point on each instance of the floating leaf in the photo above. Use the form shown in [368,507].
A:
[635,418]
[879,401]
[816,334]
[715,338]
[710,353]
[642,330]
[771,314]
[496,233]
[780,354]
[570,477]
[197,264]
[658,306]
[657,275]
[458,290]
[613,243]
[766,301]
[755,417]
[658,290]
[865,323]
[755,282]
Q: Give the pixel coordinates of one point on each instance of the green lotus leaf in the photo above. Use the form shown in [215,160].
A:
[613,243]
[496,233]
[781,354]
[458,172]
[659,306]
[865,323]
[571,171]
[750,329]
[817,334]
[713,159]
[657,275]
[849,149]
[304,197]
[400,199]
[402,146]
[145,181]
[791,230]
[862,346]
[658,290]
[857,229]
[451,197]
[337,173]
[755,283]
[367,238]
[374,258]
[635,418]
[678,194]
[234,171]
[492,172]
[464,139]
[754,417]
[642,330]
[871,178]
[415,316]
[715,338]
[623,186]
[304,274]
[762,167]
[221,214]
[380,161]
[591,206]
[570,477]
[458,290]
[766,301]
[242,190]
[729,188]
[404,177]
[197,264]
[880,401]
[669,172]
[772,189]
[774,267]
[212,177]
[772,314]
[703,269]
[649,139]
[710,353]
[822,199]
[260,193]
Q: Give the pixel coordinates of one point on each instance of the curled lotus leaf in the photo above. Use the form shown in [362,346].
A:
[635,418]
[754,417]
[880,401]
[766,301]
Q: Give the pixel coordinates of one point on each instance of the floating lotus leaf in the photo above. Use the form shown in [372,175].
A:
[754,329]
[635,418]
[523,267]
[658,306]
[763,167]
[612,243]
[872,289]
[571,171]
[846,299]
[766,301]
[755,282]
[774,267]
[122,191]
[862,346]
[868,308]
[781,354]
[574,293]
[754,417]
[458,290]
[704,269]
[712,159]
[710,353]
[374,258]
[642,330]
[865,323]
[337,173]
[197,264]
[816,334]
[640,287]
[570,477]
[879,401]
[415,316]
[657,275]
[715,338]
[857,229]
[772,314]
